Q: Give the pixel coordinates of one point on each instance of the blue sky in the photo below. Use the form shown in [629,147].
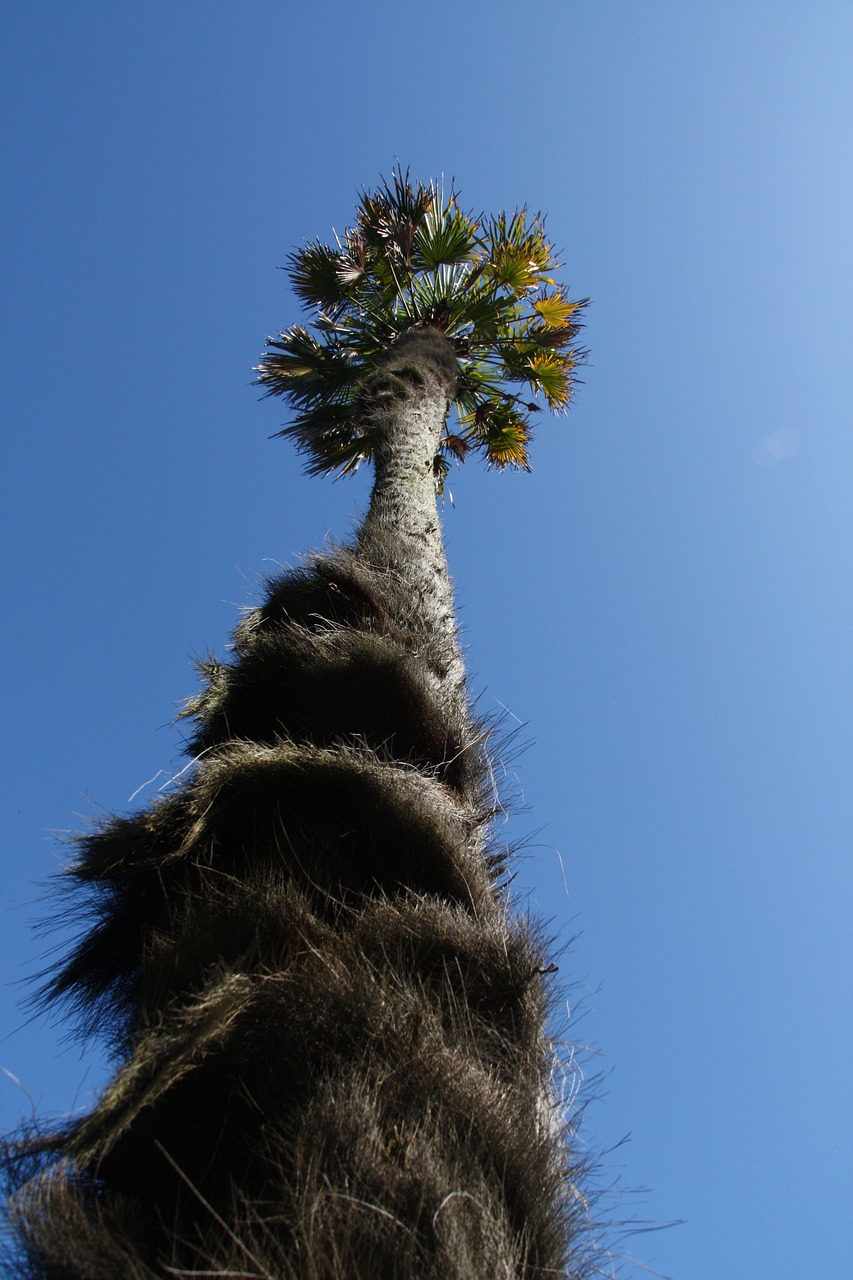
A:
[664,603]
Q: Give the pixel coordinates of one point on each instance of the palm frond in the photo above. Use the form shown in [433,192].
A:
[501,432]
[554,308]
[316,276]
[445,236]
[549,373]
[304,370]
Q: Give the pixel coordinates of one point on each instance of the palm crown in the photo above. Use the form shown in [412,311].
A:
[415,259]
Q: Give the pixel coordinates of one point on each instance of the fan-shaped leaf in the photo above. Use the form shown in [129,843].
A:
[549,373]
[501,432]
[444,236]
[316,276]
[554,308]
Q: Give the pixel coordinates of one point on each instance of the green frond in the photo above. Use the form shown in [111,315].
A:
[445,236]
[478,382]
[325,434]
[476,318]
[501,432]
[554,308]
[344,454]
[549,373]
[303,370]
[523,239]
[316,276]
[516,355]
[511,267]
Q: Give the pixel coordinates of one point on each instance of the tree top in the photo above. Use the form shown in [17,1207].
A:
[414,259]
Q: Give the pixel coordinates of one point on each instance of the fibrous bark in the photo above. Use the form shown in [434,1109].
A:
[329,1023]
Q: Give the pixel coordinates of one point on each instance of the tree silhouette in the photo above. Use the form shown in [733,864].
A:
[328,1020]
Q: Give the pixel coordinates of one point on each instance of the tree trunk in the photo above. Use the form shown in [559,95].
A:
[329,1025]
[407,403]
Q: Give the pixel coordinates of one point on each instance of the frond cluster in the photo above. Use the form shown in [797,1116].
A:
[415,259]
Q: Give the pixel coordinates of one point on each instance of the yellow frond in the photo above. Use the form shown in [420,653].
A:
[554,309]
[549,373]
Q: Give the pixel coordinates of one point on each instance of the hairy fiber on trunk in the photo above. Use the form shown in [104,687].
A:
[329,1024]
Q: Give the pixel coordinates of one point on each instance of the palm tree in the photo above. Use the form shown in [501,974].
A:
[329,1022]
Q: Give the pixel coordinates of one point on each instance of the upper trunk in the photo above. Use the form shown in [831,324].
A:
[406,403]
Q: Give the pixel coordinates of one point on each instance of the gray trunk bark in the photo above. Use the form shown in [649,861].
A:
[407,403]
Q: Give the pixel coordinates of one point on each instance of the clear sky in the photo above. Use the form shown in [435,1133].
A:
[664,603]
